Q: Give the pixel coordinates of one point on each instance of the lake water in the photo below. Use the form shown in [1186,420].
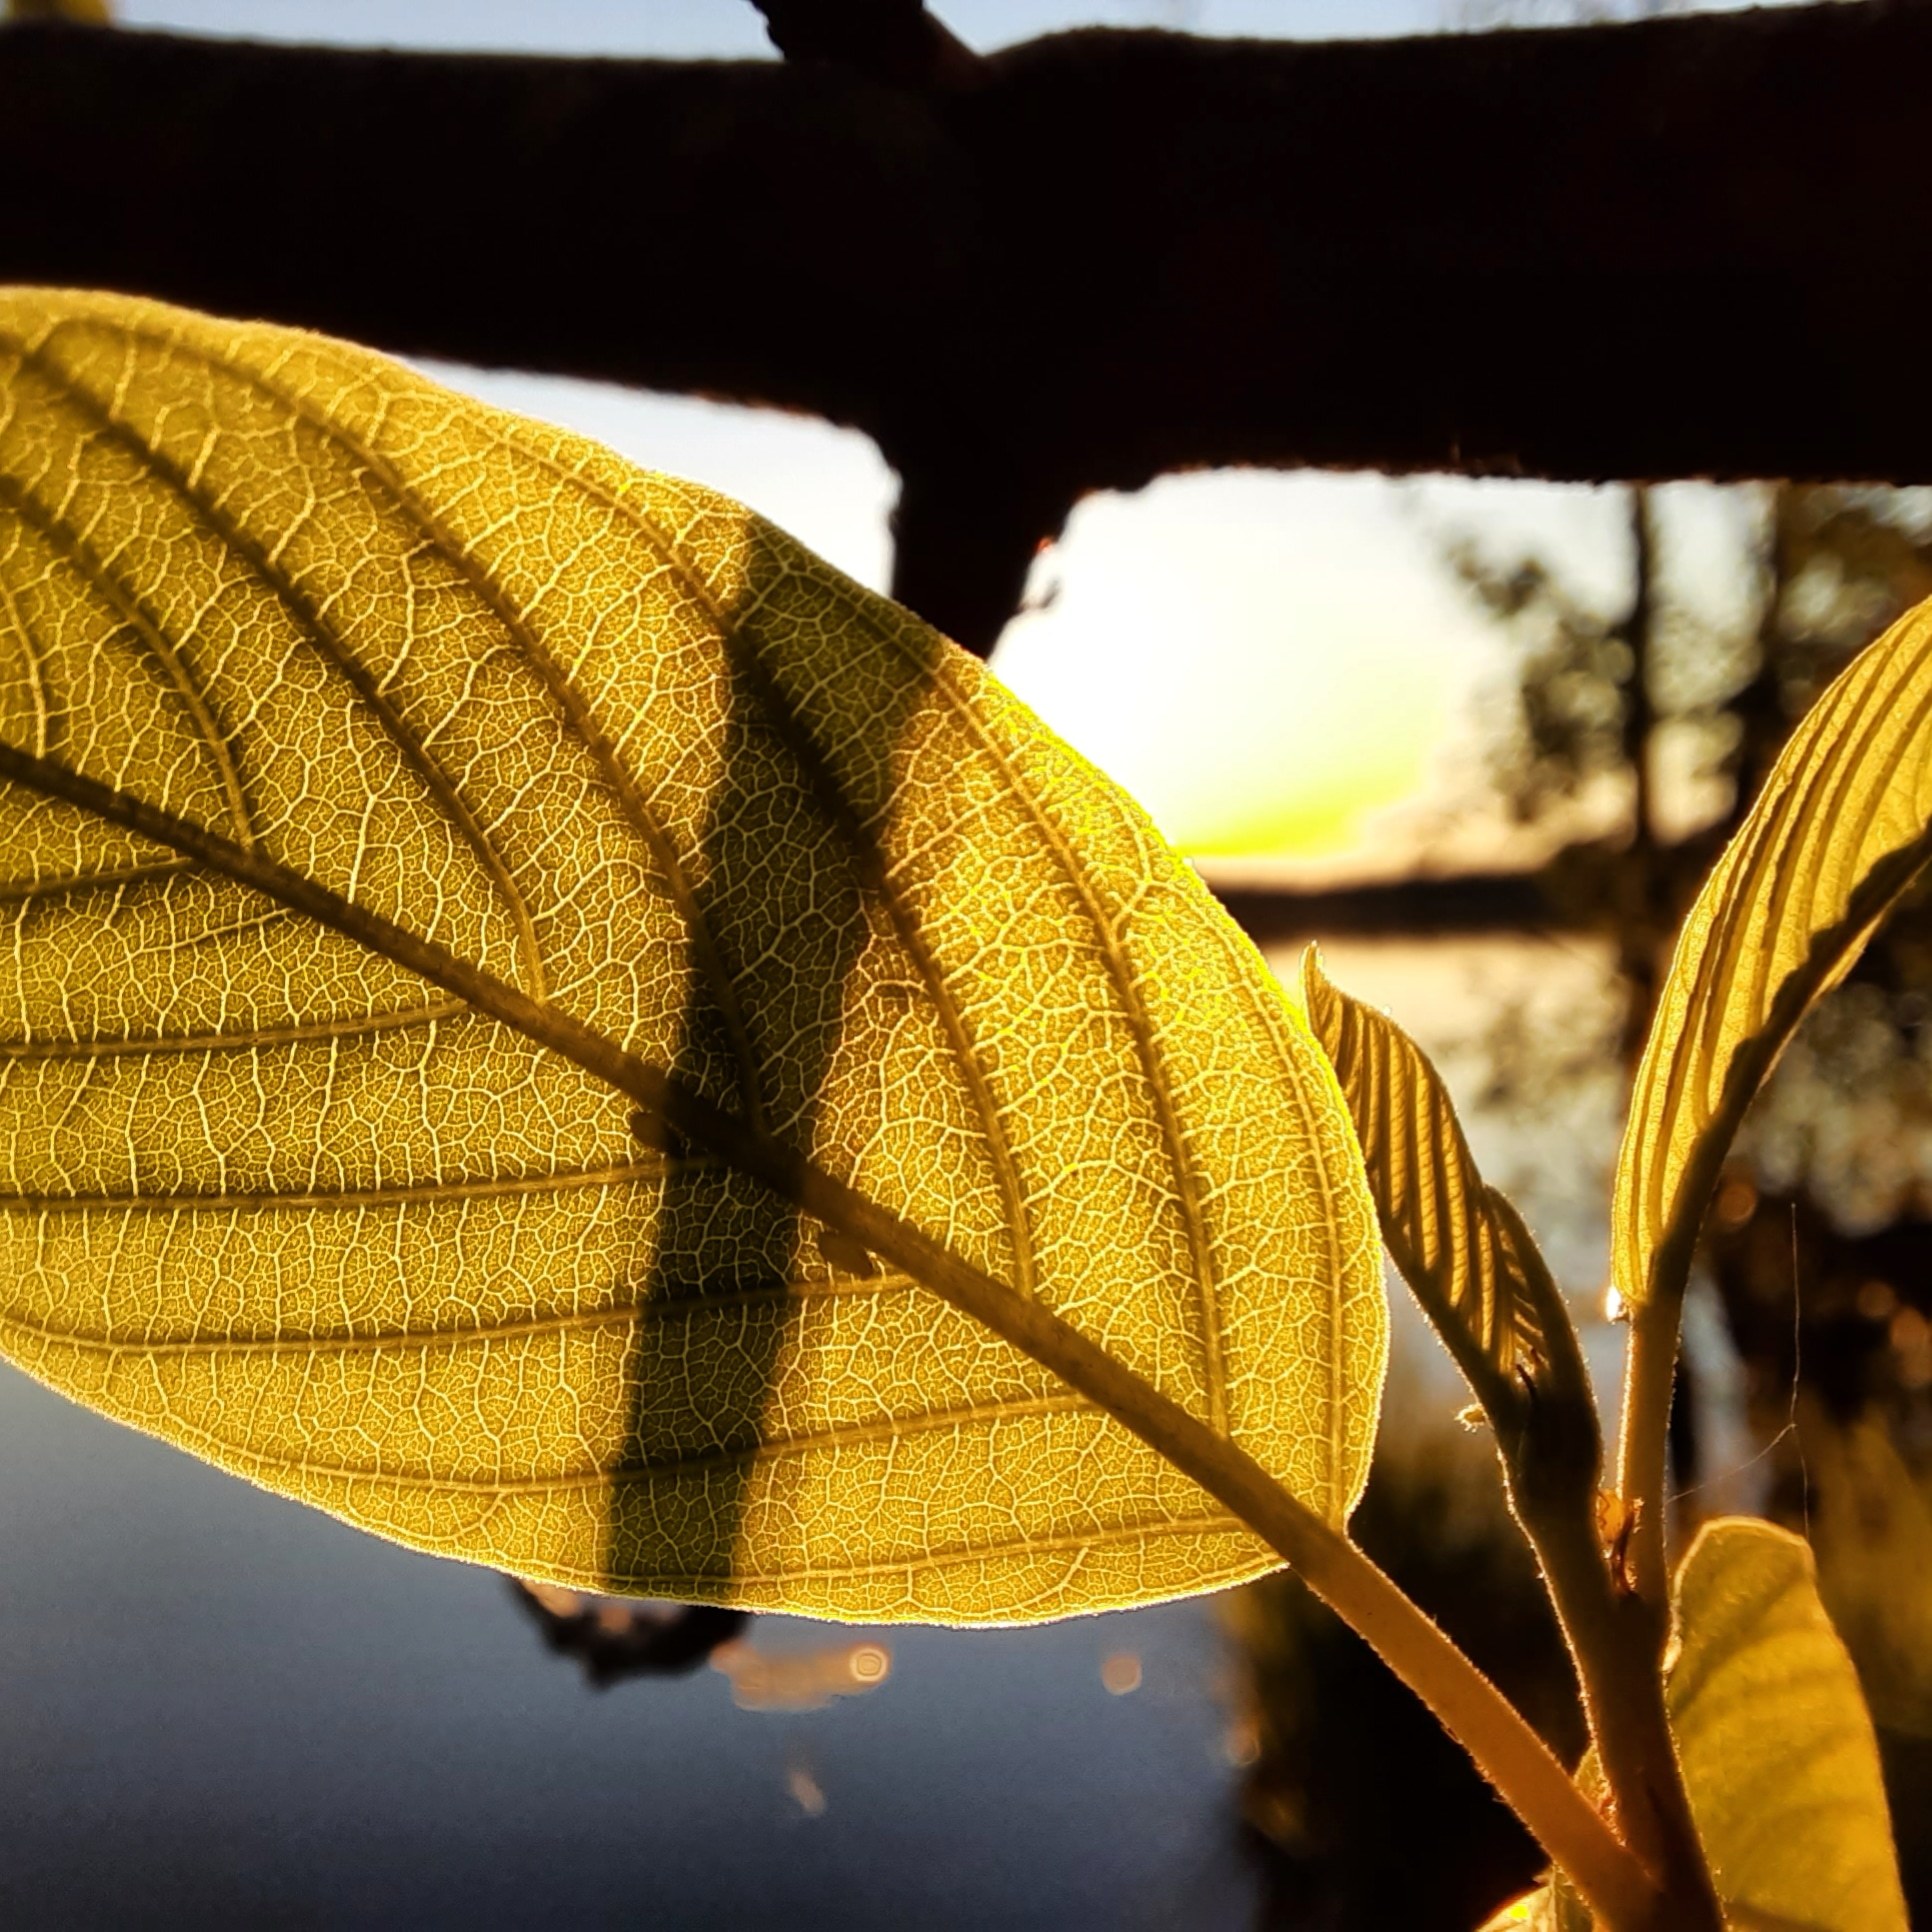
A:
[221,1708]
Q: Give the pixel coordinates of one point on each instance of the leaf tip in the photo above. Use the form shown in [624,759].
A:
[1320,998]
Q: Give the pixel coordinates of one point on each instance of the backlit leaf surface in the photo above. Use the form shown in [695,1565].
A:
[1779,1756]
[1843,824]
[623,745]
[1550,1908]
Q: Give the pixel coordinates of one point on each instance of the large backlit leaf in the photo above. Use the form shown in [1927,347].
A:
[1459,1243]
[1779,1756]
[1841,827]
[624,746]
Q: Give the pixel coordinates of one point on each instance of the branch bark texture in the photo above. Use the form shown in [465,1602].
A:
[1667,249]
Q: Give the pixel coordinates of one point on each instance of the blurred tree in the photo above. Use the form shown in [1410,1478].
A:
[1683,717]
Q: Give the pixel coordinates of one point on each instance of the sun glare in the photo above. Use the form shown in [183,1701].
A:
[1213,644]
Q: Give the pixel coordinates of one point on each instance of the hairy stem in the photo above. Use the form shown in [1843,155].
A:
[1650,1373]
[1650,1363]
[1613,1883]
[1552,1452]
[1618,1670]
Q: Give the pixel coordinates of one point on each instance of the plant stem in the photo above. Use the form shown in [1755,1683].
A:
[1618,1664]
[1649,1375]
[1615,1886]
[1552,1454]
[1630,1646]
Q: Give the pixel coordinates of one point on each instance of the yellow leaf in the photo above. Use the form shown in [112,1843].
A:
[314,675]
[1843,824]
[1779,1756]
[1459,1243]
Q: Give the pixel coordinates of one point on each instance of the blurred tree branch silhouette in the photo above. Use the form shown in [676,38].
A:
[1274,254]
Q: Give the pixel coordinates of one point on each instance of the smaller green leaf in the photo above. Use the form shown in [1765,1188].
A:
[1459,1243]
[1779,1755]
[1780,1759]
[1842,827]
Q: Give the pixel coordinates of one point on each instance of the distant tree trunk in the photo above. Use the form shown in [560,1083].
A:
[1643,916]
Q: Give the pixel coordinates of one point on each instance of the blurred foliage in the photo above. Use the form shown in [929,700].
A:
[1657,684]
[1572,685]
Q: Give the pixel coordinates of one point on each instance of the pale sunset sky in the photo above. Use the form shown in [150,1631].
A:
[1278,666]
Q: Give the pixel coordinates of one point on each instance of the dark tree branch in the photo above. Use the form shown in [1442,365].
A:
[1669,249]
[895,41]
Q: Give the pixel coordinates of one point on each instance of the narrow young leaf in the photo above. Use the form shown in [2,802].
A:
[1459,1243]
[327,695]
[1843,825]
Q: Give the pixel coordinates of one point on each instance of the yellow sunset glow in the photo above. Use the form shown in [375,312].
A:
[1212,646]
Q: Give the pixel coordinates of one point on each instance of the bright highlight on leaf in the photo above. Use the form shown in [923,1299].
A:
[1550,1908]
[1842,826]
[280,620]
[1778,1752]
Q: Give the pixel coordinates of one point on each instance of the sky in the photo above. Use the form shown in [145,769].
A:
[731,29]
[1278,666]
